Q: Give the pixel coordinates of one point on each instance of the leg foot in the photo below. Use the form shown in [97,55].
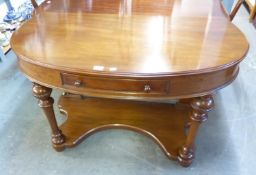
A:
[58,148]
[186,156]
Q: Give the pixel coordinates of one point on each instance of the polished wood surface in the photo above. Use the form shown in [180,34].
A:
[252,7]
[89,115]
[34,3]
[200,107]
[126,86]
[173,87]
[46,103]
[130,50]
[140,38]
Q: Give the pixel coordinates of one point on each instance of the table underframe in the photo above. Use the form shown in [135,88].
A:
[172,126]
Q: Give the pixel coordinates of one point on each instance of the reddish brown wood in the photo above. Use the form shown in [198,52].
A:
[253,13]
[234,10]
[122,85]
[200,107]
[46,103]
[162,122]
[34,3]
[252,9]
[180,86]
[140,49]
[146,38]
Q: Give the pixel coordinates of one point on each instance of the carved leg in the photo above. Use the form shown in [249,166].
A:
[200,106]
[46,103]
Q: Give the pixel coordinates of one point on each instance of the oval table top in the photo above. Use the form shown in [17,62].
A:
[130,37]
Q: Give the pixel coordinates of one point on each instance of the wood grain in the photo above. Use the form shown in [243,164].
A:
[139,50]
[164,123]
[201,106]
[46,103]
[142,38]
[180,86]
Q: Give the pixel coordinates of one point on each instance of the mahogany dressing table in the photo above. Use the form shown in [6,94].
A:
[119,55]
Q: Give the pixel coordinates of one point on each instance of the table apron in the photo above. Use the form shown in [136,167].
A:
[165,87]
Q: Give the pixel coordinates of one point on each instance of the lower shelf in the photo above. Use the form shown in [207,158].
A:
[165,123]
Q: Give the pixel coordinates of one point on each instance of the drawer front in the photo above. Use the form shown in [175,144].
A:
[158,86]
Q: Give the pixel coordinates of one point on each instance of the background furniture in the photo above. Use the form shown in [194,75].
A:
[34,3]
[252,7]
[231,7]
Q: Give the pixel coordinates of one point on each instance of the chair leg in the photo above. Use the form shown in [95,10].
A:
[235,10]
[253,13]
[34,3]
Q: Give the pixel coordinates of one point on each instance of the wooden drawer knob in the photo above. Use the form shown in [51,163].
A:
[78,83]
[147,88]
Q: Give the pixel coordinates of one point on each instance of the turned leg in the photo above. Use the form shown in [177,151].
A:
[200,107]
[46,103]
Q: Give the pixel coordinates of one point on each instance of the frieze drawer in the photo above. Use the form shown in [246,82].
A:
[155,86]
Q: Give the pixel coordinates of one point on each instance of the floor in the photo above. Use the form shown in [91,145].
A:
[225,145]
